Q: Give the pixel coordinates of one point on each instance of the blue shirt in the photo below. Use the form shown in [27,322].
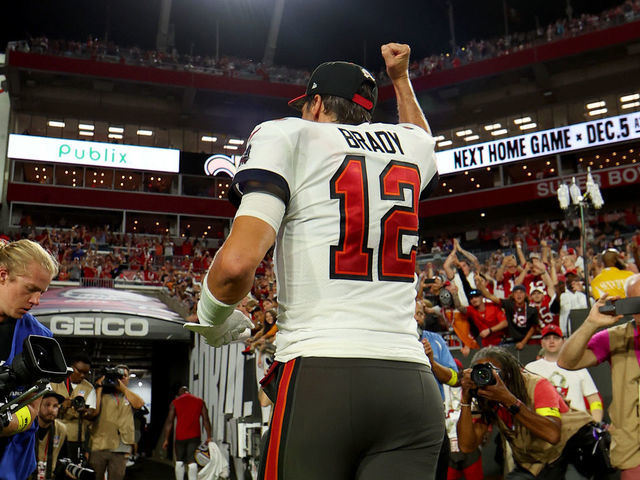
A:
[18,459]
[441,354]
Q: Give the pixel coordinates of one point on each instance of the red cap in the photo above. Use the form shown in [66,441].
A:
[552,329]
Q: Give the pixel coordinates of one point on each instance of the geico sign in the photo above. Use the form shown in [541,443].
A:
[98,326]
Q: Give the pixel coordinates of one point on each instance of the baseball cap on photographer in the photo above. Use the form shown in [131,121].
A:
[51,393]
[341,79]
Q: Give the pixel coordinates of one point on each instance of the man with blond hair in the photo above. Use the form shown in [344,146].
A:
[26,269]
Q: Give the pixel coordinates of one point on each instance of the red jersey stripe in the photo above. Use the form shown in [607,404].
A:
[273,453]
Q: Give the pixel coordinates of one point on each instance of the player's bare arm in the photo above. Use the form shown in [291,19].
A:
[396,59]
[234,266]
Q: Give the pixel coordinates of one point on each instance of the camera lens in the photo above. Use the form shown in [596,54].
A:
[43,358]
[482,374]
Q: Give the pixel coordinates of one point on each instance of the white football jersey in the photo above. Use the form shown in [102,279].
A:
[345,251]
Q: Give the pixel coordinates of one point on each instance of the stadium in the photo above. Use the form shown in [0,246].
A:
[119,151]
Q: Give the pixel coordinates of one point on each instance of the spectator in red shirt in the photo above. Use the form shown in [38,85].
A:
[187,247]
[488,318]
[187,410]
[507,273]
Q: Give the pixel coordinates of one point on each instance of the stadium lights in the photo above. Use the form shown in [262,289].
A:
[598,111]
[446,143]
[206,138]
[630,105]
[144,133]
[591,106]
[502,131]
[572,196]
[528,126]
[230,147]
[235,141]
[86,126]
[55,123]
[115,136]
[493,126]
[471,138]
[116,130]
[85,133]
[438,138]
[520,121]
[630,98]
[463,133]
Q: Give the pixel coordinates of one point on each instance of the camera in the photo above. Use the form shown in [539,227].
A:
[111,377]
[41,358]
[78,403]
[75,471]
[40,362]
[482,374]
[622,306]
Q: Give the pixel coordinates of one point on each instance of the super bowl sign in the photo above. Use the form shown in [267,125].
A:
[220,164]
[539,144]
[95,154]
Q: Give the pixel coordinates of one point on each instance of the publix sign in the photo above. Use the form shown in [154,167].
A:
[95,154]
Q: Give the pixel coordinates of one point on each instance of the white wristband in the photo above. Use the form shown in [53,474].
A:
[212,311]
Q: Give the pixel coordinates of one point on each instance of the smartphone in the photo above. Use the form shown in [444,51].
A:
[623,306]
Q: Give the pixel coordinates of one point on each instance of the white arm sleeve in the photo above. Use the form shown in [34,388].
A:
[264,206]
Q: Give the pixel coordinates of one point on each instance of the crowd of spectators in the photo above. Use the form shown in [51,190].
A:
[228,66]
[605,229]
[533,279]
[102,258]
[474,295]
[566,27]
[503,257]
[472,51]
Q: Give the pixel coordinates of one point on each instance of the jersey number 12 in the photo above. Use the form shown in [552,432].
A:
[351,259]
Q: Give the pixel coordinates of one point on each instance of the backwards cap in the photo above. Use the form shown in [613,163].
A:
[340,79]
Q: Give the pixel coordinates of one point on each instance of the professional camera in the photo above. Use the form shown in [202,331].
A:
[75,471]
[40,362]
[111,377]
[482,374]
[78,402]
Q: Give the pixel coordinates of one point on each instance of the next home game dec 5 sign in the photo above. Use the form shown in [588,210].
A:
[539,144]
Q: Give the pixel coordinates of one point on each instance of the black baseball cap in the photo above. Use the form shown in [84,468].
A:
[519,287]
[474,293]
[51,393]
[341,79]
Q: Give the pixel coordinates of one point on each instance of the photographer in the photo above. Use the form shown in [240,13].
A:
[617,344]
[50,437]
[78,407]
[527,410]
[26,270]
[112,433]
